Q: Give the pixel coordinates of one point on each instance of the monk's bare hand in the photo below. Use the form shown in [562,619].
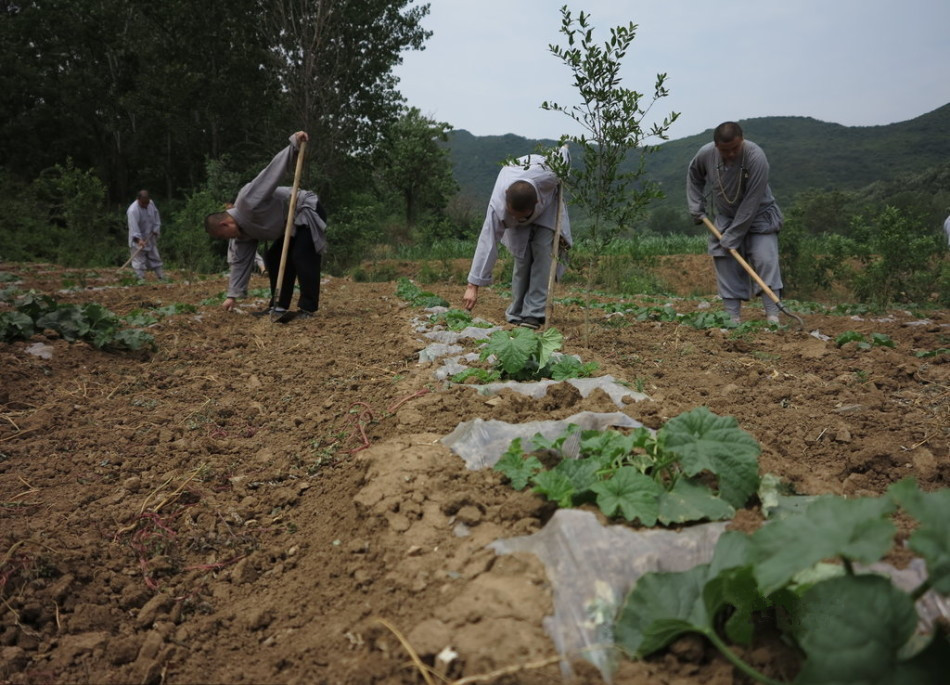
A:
[470,297]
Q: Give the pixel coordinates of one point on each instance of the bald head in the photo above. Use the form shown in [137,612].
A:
[727,132]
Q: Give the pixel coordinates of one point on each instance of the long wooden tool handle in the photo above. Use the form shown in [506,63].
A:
[745,265]
[552,275]
[290,221]
[136,254]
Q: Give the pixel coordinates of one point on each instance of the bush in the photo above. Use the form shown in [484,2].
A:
[901,259]
[60,217]
[184,243]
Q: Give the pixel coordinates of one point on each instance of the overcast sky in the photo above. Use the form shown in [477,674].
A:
[487,67]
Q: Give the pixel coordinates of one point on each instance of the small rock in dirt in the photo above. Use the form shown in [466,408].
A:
[925,462]
[243,572]
[134,596]
[259,618]
[358,547]
[843,435]
[469,515]
[398,522]
[123,650]
[59,589]
[133,484]
[429,637]
[151,646]
[362,577]
[156,606]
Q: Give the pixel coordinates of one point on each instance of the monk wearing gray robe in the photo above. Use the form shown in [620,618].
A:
[522,215]
[145,225]
[260,213]
[736,172]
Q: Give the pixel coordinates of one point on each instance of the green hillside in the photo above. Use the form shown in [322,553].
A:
[804,153]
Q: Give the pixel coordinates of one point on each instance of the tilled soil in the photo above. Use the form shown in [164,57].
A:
[256,502]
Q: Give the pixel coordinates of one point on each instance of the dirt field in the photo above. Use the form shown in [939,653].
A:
[265,503]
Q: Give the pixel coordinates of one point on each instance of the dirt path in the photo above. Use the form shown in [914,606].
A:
[266,503]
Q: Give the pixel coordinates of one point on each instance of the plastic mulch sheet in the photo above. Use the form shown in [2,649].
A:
[481,443]
[592,568]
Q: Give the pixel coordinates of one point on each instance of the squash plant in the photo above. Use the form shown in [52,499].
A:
[642,476]
[851,627]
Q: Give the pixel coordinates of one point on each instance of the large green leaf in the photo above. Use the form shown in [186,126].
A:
[512,348]
[607,445]
[660,608]
[931,539]
[556,486]
[35,305]
[732,584]
[630,493]
[852,630]
[706,442]
[549,341]
[518,469]
[689,501]
[831,527]
[15,326]
[67,320]
[582,473]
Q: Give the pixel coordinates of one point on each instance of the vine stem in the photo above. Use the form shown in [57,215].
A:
[739,663]
[921,590]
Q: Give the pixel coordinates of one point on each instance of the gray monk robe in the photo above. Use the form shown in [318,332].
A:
[746,215]
[529,242]
[261,211]
[145,225]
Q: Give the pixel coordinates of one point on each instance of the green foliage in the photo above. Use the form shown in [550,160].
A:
[90,322]
[612,118]
[415,166]
[15,326]
[645,477]
[356,230]
[811,263]
[414,295]
[901,259]
[522,354]
[60,217]
[479,375]
[851,627]
[457,320]
[877,340]
[185,245]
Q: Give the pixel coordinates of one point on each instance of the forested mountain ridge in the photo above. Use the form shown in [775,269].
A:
[804,154]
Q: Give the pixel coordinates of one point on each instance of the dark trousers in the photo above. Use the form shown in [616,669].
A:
[303,265]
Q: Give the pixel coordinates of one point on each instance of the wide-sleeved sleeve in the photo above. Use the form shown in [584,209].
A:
[241,260]
[132,217]
[265,183]
[696,186]
[486,251]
